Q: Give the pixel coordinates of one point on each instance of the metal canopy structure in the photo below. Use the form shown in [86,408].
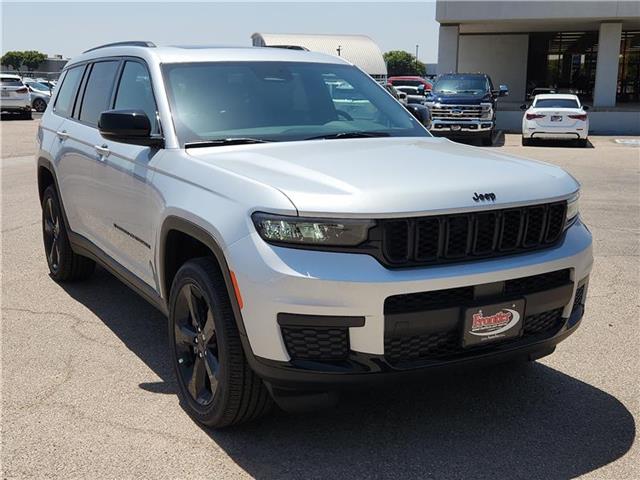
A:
[360,50]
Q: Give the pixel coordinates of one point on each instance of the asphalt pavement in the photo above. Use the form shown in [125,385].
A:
[88,391]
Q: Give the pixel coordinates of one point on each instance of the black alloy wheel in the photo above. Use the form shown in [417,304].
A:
[51,233]
[39,105]
[196,344]
[216,385]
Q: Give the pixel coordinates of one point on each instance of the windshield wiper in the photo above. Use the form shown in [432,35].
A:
[224,141]
[350,135]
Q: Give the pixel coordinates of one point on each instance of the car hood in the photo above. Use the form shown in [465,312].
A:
[460,98]
[383,177]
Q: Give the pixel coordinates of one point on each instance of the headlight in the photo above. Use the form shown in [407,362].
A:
[572,209]
[311,231]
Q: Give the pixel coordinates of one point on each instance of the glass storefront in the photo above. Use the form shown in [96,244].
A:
[629,67]
[563,61]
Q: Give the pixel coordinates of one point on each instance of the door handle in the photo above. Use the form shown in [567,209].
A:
[103,151]
[62,134]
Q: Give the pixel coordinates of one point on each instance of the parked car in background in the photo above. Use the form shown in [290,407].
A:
[464,105]
[415,94]
[416,108]
[40,95]
[540,91]
[14,96]
[555,116]
[409,81]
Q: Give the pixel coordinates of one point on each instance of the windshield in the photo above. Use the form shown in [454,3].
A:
[472,85]
[38,86]
[280,101]
[556,103]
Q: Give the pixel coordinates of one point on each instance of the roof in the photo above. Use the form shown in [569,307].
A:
[357,49]
[179,54]
[10,75]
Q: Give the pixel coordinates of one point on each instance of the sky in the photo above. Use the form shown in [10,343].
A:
[70,28]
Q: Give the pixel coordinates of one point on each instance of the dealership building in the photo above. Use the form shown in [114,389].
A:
[584,47]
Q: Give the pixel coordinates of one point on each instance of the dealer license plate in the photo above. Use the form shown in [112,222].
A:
[455,128]
[556,118]
[491,323]
[4,93]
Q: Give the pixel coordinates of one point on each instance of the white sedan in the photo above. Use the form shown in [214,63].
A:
[555,115]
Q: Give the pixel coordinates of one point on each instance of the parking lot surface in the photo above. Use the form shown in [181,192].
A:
[88,391]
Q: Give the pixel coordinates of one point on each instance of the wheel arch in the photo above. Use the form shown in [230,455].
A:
[176,230]
[46,176]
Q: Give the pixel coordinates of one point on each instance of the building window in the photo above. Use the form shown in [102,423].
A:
[563,61]
[629,68]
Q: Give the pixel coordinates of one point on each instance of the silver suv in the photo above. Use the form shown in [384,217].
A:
[299,228]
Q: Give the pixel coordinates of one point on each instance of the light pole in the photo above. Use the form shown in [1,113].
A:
[417,46]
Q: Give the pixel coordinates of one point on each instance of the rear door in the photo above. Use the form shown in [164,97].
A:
[81,155]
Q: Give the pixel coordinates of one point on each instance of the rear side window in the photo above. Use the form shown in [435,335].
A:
[97,94]
[67,92]
[10,82]
[135,92]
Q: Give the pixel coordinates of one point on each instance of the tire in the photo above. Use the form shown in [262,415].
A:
[526,142]
[39,105]
[487,141]
[26,115]
[583,142]
[216,386]
[64,264]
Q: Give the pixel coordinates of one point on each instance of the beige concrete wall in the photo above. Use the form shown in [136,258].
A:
[480,11]
[503,57]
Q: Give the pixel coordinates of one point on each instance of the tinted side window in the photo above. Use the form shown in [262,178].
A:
[67,91]
[97,94]
[135,92]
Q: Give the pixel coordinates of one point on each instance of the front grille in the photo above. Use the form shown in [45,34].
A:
[441,345]
[454,297]
[457,112]
[449,238]
[316,343]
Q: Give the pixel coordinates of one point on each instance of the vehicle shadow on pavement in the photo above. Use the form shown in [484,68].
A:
[508,421]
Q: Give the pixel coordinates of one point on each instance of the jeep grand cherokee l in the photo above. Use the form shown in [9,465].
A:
[299,239]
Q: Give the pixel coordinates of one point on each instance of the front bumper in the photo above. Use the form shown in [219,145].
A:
[461,128]
[275,280]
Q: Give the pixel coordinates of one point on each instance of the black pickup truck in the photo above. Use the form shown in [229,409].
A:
[464,105]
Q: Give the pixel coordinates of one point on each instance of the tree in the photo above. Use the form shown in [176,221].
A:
[32,59]
[400,62]
[12,59]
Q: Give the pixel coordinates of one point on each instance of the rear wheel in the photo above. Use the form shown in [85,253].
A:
[64,264]
[582,142]
[26,115]
[215,383]
[526,141]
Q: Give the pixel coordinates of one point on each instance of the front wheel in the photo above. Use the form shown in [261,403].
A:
[215,383]
[39,105]
[487,140]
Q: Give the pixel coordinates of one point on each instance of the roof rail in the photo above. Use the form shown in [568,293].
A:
[134,43]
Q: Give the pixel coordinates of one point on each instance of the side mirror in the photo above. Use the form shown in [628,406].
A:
[503,91]
[585,107]
[128,126]
[524,106]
